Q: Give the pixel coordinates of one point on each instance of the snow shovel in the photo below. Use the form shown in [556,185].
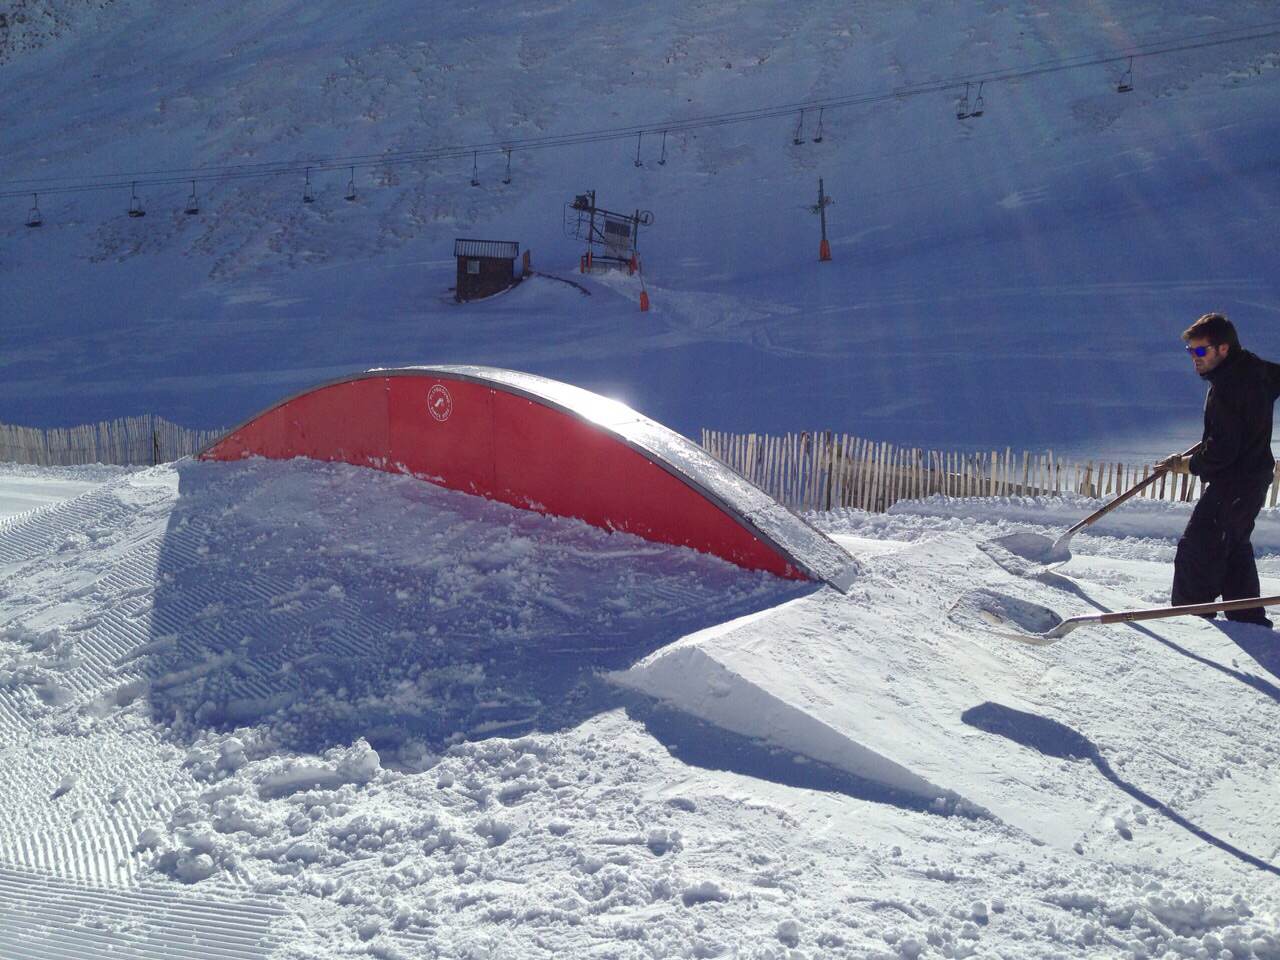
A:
[1020,552]
[1064,627]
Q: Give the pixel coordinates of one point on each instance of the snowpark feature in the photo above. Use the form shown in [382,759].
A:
[301,709]
[311,711]
[546,446]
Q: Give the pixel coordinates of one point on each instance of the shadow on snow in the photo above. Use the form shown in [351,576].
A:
[1054,739]
[320,603]
[1258,643]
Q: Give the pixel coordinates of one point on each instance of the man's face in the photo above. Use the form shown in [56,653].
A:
[1212,355]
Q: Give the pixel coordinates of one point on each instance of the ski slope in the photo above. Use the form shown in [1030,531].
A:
[1016,279]
[300,709]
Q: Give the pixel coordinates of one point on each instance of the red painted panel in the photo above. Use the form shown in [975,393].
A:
[484,440]
[441,429]
[572,468]
[344,422]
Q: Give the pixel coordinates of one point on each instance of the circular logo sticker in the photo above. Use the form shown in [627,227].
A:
[439,402]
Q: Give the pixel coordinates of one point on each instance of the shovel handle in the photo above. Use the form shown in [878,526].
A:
[1159,613]
[1126,616]
[1132,491]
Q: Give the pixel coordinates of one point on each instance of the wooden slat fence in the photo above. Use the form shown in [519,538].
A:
[822,471]
[130,440]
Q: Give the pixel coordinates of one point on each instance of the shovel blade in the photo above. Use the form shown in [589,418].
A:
[1010,617]
[1034,547]
[1027,554]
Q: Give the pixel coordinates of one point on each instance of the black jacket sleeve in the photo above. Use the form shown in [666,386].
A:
[1223,435]
[1273,379]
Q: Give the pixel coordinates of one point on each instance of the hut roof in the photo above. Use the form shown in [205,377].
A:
[500,249]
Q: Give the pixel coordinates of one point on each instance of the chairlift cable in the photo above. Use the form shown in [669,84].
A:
[279,168]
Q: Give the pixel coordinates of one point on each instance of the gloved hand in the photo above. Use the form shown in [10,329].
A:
[1176,463]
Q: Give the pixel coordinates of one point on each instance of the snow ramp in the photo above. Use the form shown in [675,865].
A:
[546,446]
[897,684]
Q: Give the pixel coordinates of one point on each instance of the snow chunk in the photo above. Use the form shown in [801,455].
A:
[663,841]
[66,785]
[360,763]
[705,891]
[231,754]
[789,933]
[149,839]
[495,831]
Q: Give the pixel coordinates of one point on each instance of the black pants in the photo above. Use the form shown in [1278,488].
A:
[1215,557]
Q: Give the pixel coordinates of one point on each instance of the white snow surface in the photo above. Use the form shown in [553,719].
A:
[24,488]
[310,710]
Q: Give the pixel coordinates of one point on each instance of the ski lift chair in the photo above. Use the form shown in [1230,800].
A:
[1125,84]
[135,203]
[979,105]
[193,205]
[33,215]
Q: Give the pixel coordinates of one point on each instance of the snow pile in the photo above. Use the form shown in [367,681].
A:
[372,708]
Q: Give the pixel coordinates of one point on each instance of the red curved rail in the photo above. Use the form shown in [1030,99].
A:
[480,436]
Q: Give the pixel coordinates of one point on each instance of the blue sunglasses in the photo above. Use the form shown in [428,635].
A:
[1198,351]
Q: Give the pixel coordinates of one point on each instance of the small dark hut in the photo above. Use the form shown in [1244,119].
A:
[485,267]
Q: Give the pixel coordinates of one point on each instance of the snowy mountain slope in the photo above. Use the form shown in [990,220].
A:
[443,773]
[1059,242]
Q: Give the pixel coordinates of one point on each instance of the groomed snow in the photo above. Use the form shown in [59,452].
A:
[335,712]
[24,488]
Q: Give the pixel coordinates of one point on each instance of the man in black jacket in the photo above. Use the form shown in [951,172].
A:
[1215,557]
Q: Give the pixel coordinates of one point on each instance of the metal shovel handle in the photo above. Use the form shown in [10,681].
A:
[1132,491]
[1160,613]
